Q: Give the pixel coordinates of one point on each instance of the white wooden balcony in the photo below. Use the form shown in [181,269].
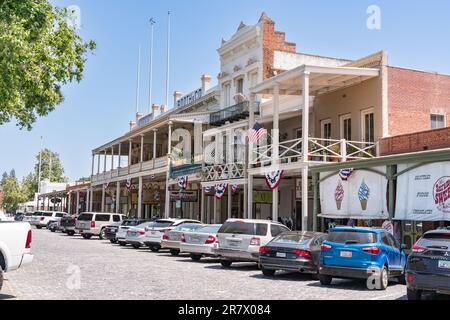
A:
[319,150]
[224,172]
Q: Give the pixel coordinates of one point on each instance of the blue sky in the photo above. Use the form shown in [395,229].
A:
[415,33]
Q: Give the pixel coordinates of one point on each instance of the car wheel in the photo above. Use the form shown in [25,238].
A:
[1,278]
[325,280]
[315,276]
[102,234]
[53,230]
[154,249]
[70,233]
[196,257]
[268,273]
[226,263]
[174,252]
[122,244]
[136,246]
[384,278]
[87,236]
[38,227]
[413,294]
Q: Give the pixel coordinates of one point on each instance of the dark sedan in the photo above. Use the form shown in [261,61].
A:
[428,268]
[292,251]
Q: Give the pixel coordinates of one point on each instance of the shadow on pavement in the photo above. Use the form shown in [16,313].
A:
[285,276]
[6,297]
[235,267]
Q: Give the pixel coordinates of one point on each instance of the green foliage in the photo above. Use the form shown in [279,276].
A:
[13,194]
[39,53]
[51,167]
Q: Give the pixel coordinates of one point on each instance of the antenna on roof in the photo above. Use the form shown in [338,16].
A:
[138,80]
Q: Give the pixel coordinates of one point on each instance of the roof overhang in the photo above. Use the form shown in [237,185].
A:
[322,79]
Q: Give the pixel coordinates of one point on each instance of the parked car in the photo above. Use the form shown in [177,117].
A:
[154,234]
[53,224]
[91,224]
[428,268]
[41,219]
[124,227]
[201,242]
[136,235]
[67,225]
[111,232]
[240,240]
[292,251]
[362,253]
[15,246]
[172,239]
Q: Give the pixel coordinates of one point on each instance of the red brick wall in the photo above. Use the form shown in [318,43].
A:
[413,142]
[273,41]
[413,96]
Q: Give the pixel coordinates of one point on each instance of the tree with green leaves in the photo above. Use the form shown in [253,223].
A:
[40,52]
[13,194]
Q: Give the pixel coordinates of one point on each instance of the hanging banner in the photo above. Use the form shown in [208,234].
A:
[273,179]
[128,184]
[423,194]
[345,174]
[182,182]
[234,188]
[362,196]
[221,189]
[186,196]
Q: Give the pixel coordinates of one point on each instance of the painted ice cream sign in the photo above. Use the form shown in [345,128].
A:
[441,193]
[363,194]
[339,195]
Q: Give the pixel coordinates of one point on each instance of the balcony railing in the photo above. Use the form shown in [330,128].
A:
[224,172]
[185,170]
[319,150]
[234,113]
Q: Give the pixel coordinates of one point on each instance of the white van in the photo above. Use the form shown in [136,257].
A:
[41,219]
[91,224]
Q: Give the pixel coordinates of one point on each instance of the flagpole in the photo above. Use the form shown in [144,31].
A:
[168,60]
[138,79]
[150,89]
[40,169]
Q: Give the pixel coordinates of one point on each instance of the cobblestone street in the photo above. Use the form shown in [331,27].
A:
[112,272]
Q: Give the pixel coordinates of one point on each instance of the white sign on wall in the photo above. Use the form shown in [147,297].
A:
[362,196]
[423,194]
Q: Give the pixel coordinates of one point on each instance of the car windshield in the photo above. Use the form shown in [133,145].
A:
[241,227]
[85,217]
[440,236]
[209,229]
[144,225]
[37,214]
[353,237]
[188,227]
[162,224]
[47,214]
[292,238]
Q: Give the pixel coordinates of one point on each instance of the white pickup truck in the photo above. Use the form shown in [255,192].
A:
[15,246]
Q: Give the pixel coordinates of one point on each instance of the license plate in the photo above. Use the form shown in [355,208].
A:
[195,240]
[233,243]
[154,233]
[346,254]
[444,264]
[281,255]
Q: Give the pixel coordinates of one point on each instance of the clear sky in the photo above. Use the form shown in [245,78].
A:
[415,33]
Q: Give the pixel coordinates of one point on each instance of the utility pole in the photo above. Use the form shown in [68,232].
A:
[138,80]
[168,61]
[150,89]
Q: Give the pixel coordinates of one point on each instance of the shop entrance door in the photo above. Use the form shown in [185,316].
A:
[411,232]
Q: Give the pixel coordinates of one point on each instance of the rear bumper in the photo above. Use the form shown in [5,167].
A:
[152,244]
[197,249]
[346,272]
[430,282]
[27,258]
[110,236]
[236,255]
[298,265]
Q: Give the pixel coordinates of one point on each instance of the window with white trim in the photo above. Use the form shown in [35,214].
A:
[437,121]
[325,126]
[368,125]
[346,127]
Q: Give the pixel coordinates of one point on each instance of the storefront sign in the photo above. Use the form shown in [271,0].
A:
[189,98]
[423,194]
[186,196]
[263,197]
[362,196]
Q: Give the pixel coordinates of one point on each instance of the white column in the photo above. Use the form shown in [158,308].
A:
[129,154]
[305,132]
[275,143]
[117,196]
[78,202]
[202,204]
[98,163]
[142,149]
[91,199]
[250,197]
[120,155]
[112,159]
[216,213]
[169,149]
[93,164]
[139,211]
[230,194]
[69,207]
[86,200]
[154,146]
[230,146]
[103,198]
[104,161]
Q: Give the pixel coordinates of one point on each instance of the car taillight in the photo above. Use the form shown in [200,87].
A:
[42,218]
[372,250]
[166,235]
[409,278]
[210,240]
[92,224]
[326,247]
[183,238]
[29,240]
[141,232]
[264,250]
[302,253]
[255,241]
[418,249]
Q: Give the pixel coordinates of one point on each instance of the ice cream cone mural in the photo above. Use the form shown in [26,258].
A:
[339,195]
[364,193]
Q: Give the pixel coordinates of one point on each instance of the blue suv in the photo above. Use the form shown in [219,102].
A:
[362,253]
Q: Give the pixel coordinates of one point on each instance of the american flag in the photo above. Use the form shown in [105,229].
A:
[256,133]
